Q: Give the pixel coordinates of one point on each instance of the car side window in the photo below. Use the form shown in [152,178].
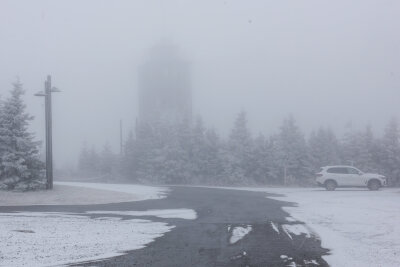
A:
[337,170]
[352,171]
[331,170]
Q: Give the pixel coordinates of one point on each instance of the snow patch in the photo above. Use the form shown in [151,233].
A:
[297,229]
[239,232]
[284,257]
[187,214]
[290,219]
[308,262]
[275,227]
[287,232]
[42,239]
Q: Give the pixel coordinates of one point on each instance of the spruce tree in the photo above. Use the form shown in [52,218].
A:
[107,161]
[20,167]
[213,169]
[292,157]
[199,152]
[129,160]
[84,161]
[324,149]
[238,152]
[366,151]
[260,160]
[391,151]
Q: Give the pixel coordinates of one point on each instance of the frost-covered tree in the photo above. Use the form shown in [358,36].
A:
[275,160]
[177,150]
[199,157]
[84,161]
[324,148]
[291,156]
[20,167]
[261,160]
[359,149]
[107,161]
[390,151]
[89,162]
[238,152]
[128,161]
[94,161]
[213,169]
[147,153]
[367,150]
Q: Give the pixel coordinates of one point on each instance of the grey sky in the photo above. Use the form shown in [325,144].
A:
[325,62]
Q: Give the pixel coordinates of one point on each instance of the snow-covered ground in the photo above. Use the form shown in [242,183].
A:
[50,238]
[361,227]
[37,239]
[67,193]
[141,192]
[187,214]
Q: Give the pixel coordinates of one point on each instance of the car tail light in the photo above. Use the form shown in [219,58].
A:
[318,175]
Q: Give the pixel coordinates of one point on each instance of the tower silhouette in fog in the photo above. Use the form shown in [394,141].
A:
[165,93]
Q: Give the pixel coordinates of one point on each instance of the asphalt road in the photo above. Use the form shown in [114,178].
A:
[205,240]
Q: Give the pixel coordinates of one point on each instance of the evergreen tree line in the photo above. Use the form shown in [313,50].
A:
[95,164]
[193,154]
[20,166]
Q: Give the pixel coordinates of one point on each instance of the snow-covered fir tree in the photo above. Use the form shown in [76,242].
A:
[107,161]
[199,151]
[128,160]
[238,152]
[20,167]
[183,153]
[324,149]
[261,160]
[390,152]
[147,154]
[359,149]
[213,169]
[178,157]
[89,162]
[84,161]
[291,154]
[367,149]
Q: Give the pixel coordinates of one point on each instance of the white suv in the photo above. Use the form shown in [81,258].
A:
[331,177]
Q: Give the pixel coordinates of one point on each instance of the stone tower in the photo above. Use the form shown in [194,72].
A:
[165,93]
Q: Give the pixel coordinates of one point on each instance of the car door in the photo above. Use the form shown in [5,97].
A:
[355,179]
[343,177]
[339,174]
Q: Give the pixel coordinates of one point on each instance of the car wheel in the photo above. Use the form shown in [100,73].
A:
[374,185]
[330,185]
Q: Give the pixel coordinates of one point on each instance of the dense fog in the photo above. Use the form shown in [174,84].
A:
[327,63]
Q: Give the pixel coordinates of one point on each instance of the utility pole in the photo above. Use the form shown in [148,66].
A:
[49,135]
[121,142]
[284,175]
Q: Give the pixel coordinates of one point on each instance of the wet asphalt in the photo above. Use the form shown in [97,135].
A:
[205,241]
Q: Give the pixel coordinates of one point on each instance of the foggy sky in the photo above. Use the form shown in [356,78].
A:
[324,62]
